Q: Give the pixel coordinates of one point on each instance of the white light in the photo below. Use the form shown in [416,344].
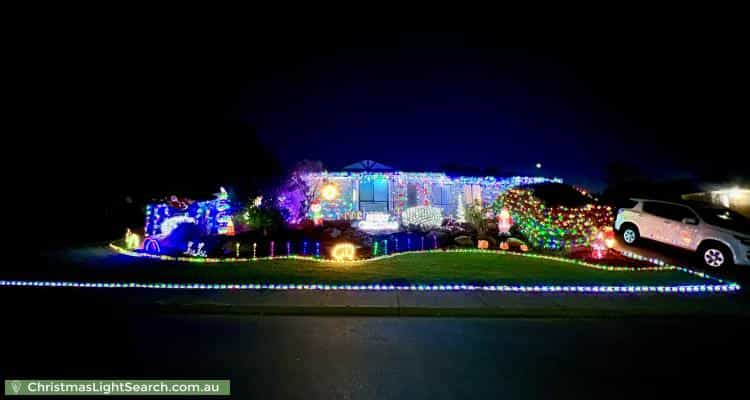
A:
[539,165]
[378,221]
[170,224]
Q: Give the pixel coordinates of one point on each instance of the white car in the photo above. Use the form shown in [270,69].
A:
[719,236]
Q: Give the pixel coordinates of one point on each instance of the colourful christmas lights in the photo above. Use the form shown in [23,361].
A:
[722,286]
[329,192]
[339,196]
[627,289]
[554,227]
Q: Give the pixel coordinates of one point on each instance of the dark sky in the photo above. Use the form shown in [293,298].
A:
[169,112]
[417,101]
[118,113]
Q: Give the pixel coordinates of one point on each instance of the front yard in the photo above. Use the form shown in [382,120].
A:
[103,265]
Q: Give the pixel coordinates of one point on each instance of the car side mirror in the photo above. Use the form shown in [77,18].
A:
[689,221]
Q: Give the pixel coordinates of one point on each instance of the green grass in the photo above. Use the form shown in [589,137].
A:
[430,268]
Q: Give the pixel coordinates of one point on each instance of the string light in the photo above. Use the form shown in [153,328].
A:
[423,216]
[345,204]
[329,192]
[659,265]
[554,227]
[629,289]
[132,240]
[343,251]
[378,221]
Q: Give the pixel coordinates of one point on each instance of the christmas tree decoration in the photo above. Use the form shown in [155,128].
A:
[460,209]
[554,227]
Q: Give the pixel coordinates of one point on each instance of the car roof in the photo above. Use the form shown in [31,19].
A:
[687,203]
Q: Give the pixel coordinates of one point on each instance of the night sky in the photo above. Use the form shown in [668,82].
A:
[159,114]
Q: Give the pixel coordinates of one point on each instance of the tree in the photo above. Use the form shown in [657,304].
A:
[296,194]
[475,216]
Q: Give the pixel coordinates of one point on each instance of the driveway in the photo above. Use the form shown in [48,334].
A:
[675,256]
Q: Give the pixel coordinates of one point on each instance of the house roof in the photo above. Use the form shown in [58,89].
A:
[367,166]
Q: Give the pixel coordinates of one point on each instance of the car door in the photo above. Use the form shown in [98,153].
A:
[652,221]
[675,231]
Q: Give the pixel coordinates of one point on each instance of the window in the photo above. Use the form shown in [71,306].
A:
[411,195]
[373,195]
[441,195]
[668,211]
[472,194]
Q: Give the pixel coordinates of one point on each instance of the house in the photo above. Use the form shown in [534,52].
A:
[735,198]
[371,187]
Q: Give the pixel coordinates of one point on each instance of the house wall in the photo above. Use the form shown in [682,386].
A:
[347,204]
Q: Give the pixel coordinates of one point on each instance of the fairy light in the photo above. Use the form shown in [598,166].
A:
[423,216]
[658,265]
[343,251]
[329,192]
[555,227]
[132,240]
[255,247]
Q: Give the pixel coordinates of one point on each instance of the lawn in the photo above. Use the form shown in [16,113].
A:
[103,265]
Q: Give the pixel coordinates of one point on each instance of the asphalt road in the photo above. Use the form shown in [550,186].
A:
[383,357]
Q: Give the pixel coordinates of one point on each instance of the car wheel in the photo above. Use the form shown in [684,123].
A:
[715,255]
[630,234]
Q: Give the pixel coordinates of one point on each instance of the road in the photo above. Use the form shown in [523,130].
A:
[380,358]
